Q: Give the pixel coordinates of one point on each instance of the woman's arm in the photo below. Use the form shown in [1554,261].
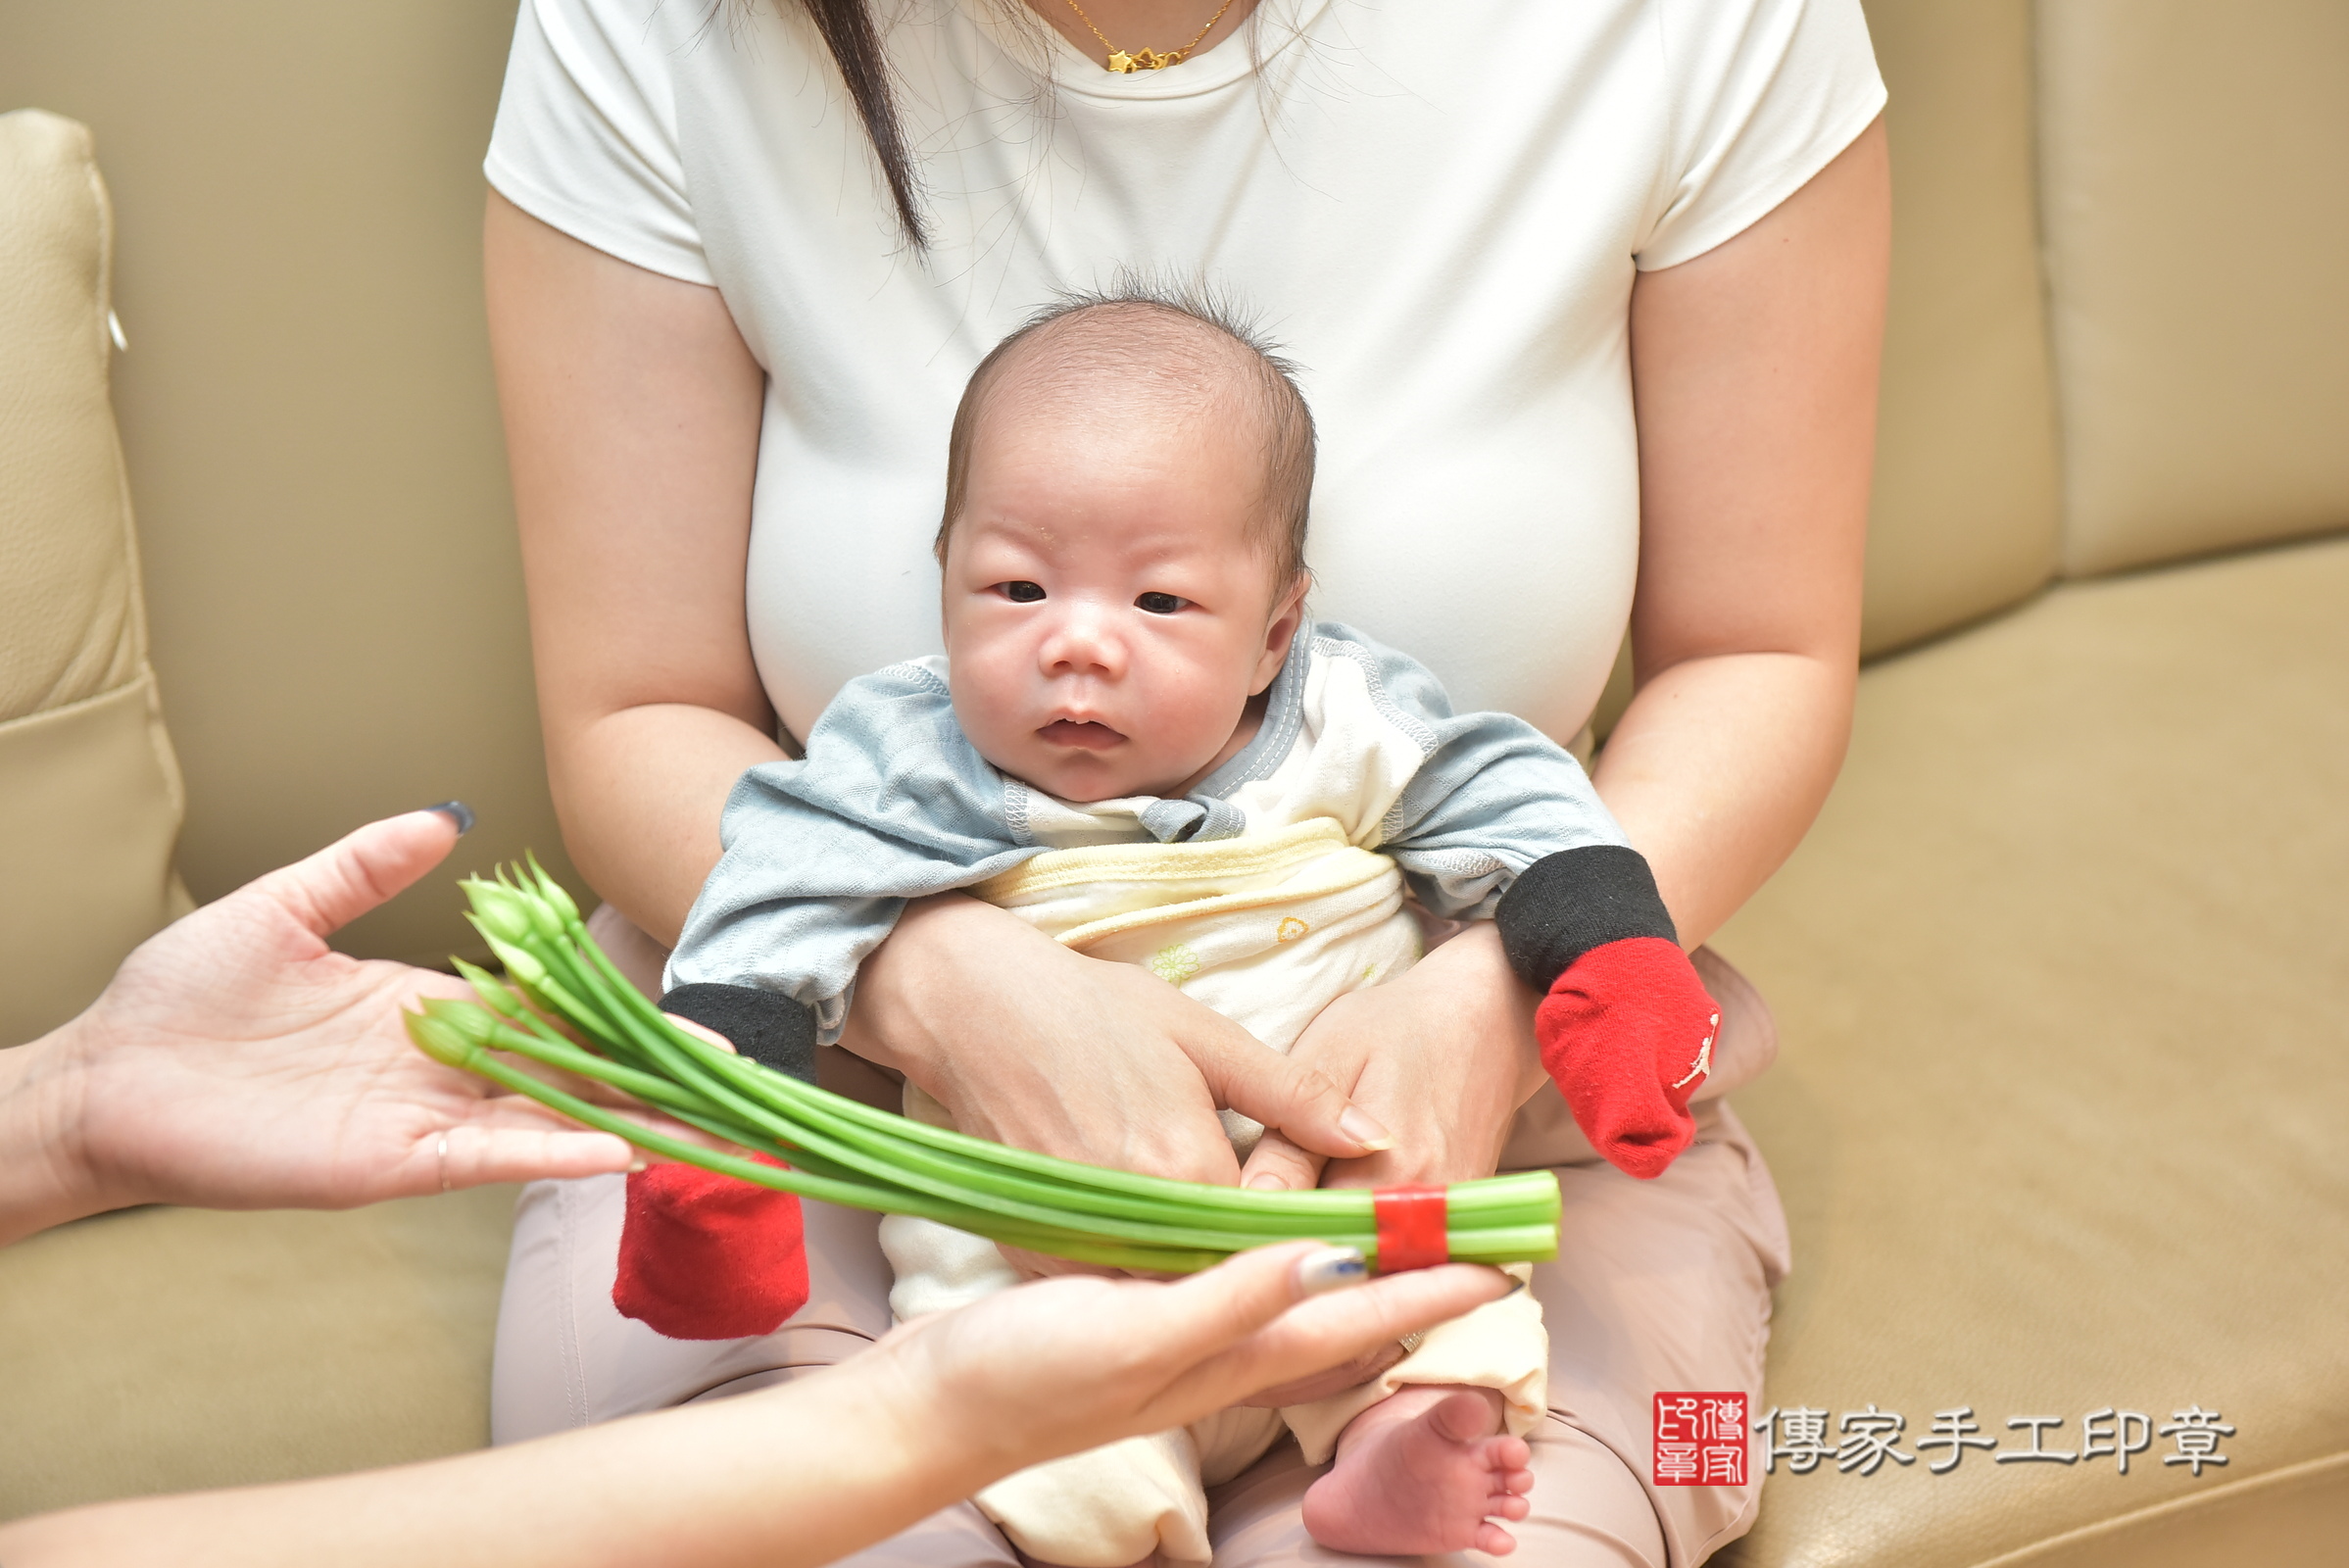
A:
[1754,370]
[802,1474]
[632,409]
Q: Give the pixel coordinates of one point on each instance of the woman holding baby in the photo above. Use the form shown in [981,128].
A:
[1585,302]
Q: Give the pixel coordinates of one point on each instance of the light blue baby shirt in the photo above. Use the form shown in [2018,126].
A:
[893,802]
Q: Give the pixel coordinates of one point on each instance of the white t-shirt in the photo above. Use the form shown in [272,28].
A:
[1437,207]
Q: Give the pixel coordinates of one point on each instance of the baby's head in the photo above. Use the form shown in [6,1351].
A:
[1123,544]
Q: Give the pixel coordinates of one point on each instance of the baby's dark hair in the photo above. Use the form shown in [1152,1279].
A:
[1186,343]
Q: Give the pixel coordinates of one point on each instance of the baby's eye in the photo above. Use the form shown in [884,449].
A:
[1161,604]
[1022,593]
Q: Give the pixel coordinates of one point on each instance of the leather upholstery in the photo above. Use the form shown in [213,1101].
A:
[2059,979]
[332,572]
[89,793]
[1964,516]
[166,1349]
[2195,162]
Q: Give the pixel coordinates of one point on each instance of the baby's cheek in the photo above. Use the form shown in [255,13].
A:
[990,713]
[1194,715]
[1193,730]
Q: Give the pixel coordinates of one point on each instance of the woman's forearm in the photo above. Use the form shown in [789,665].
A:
[1717,769]
[781,1478]
[805,1473]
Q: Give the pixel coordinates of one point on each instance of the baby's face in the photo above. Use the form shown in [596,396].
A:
[1106,616]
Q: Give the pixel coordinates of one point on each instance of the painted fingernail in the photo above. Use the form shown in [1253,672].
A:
[458,812]
[1333,1268]
[1358,1124]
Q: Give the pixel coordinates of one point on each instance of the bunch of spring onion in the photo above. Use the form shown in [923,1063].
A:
[844,1152]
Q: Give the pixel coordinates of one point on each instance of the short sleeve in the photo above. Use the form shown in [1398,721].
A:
[1767,92]
[586,134]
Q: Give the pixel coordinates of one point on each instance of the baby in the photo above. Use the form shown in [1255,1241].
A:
[1138,743]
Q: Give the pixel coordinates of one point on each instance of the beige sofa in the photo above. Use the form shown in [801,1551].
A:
[2061,974]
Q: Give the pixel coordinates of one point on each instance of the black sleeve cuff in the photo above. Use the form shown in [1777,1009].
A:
[769,1028]
[1566,904]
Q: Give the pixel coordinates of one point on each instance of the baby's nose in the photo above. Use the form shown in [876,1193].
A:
[1083,642]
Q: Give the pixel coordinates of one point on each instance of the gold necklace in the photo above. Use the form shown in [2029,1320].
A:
[1147,58]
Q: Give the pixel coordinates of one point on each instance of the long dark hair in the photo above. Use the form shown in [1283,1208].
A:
[848,30]
[855,42]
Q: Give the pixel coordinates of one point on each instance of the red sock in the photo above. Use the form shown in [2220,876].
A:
[704,1257]
[1628,1032]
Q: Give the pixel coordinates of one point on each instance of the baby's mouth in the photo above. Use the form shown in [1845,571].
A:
[1084,734]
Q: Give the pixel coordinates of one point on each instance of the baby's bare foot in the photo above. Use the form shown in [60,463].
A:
[1424,1471]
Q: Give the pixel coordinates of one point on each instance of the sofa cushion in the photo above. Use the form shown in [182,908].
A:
[1963,521]
[89,807]
[2196,200]
[161,1349]
[2058,1113]
[333,566]
[89,793]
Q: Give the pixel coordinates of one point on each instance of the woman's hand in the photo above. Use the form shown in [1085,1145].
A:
[237,1061]
[1028,1044]
[1061,1365]
[1443,1054]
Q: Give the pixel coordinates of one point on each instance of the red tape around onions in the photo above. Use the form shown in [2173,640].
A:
[1411,1227]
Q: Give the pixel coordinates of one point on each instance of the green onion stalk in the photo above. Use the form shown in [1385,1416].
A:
[791,1136]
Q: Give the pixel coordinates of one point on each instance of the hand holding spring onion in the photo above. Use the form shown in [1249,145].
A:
[843,1151]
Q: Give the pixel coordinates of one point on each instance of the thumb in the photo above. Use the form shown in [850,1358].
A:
[1271,1316]
[362,869]
[1276,1164]
[1303,1102]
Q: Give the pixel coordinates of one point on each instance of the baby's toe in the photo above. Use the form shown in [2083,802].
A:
[1494,1541]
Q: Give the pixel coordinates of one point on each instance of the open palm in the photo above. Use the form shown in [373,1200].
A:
[239,1062]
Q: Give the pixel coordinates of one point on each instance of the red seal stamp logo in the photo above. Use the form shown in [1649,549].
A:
[1700,1440]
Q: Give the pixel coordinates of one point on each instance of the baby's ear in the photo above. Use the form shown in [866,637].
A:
[1288,614]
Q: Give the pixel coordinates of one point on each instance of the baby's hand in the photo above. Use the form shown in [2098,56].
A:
[1625,1026]
[1628,1032]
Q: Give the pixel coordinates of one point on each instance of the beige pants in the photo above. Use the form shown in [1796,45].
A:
[1659,1286]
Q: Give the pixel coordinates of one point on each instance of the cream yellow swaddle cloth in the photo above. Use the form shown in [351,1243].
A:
[1267,929]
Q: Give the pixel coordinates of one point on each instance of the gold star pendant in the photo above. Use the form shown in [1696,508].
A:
[1124,64]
